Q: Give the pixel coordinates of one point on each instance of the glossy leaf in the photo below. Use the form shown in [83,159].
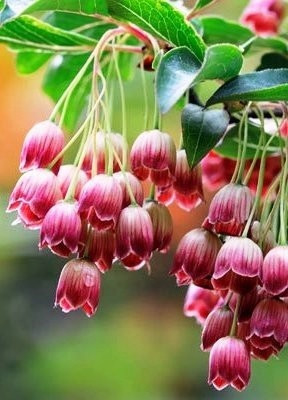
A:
[267,85]
[88,7]
[229,146]
[202,129]
[28,62]
[179,69]
[202,3]
[160,19]
[273,60]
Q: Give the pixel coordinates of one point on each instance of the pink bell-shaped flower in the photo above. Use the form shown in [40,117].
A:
[33,196]
[199,303]
[101,249]
[229,210]
[283,130]
[238,265]
[134,237]
[154,153]
[66,174]
[196,255]
[162,225]
[274,273]
[125,179]
[229,364]
[41,145]
[217,325]
[102,196]
[61,229]
[268,328]
[78,287]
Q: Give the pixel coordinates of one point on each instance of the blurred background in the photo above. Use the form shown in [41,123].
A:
[139,345]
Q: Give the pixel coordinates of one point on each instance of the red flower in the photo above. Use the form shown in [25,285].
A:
[274,273]
[103,197]
[134,237]
[229,364]
[284,128]
[102,249]
[41,145]
[66,174]
[79,287]
[33,196]
[237,265]
[125,179]
[61,229]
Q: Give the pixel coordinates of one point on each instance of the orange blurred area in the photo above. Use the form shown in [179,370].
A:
[21,105]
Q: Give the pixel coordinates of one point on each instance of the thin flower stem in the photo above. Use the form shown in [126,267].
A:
[152,191]
[236,170]
[145,96]
[244,149]
[233,331]
[283,200]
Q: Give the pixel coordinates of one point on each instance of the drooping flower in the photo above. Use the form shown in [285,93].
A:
[79,287]
[274,272]
[33,196]
[229,210]
[162,225]
[101,249]
[61,229]
[134,237]
[229,364]
[238,265]
[102,197]
[66,174]
[41,145]
[135,185]
[196,255]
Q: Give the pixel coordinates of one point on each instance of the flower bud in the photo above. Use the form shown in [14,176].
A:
[187,180]
[229,210]
[199,303]
[229,364]
[135,185]
[217,325]
[41,145]
[268,328]
[237,265]
[66,174]
[101,249]
[154,151]
[134,237]
[34,194]
[100,146]
[274,273]
[78,287]
[103,196]
[61,229]
[196,255]
[256,234]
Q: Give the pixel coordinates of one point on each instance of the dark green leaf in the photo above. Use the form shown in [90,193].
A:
[273,60]
[161,19]
[229,146]
[202,130]
[59,75]
[179,69]
[220,30]
[267,85]
[26,32]
[28,62]
[202,3]
[89,7]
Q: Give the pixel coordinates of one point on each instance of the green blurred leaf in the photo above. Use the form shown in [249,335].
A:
[58,77]
[89,7]
[27,32]
[28,62]
[229,146]
[202,130]
[202,3]
[2,4]
[274,43]
[273,60]
[161,19]
[179,69]
[221,30]
[267,85]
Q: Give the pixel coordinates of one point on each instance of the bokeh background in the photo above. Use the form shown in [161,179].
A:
[139,345]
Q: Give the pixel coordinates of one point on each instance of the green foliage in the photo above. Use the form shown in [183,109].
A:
[2,4]
[89,7]
[202,3]
[179,69]
[202,130]
[229,146]
[267,85]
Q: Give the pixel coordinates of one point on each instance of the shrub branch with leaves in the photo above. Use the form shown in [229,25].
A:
[234,140]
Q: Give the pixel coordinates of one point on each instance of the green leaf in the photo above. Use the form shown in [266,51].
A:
[273,60]
[2,4]
[229,146]
[267,85]
[28,62]
[220,30]
[26,32]
[202,3]
[202,130]
[179,69]
[160,19]
[88,7]
[274,43]
[58,77]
